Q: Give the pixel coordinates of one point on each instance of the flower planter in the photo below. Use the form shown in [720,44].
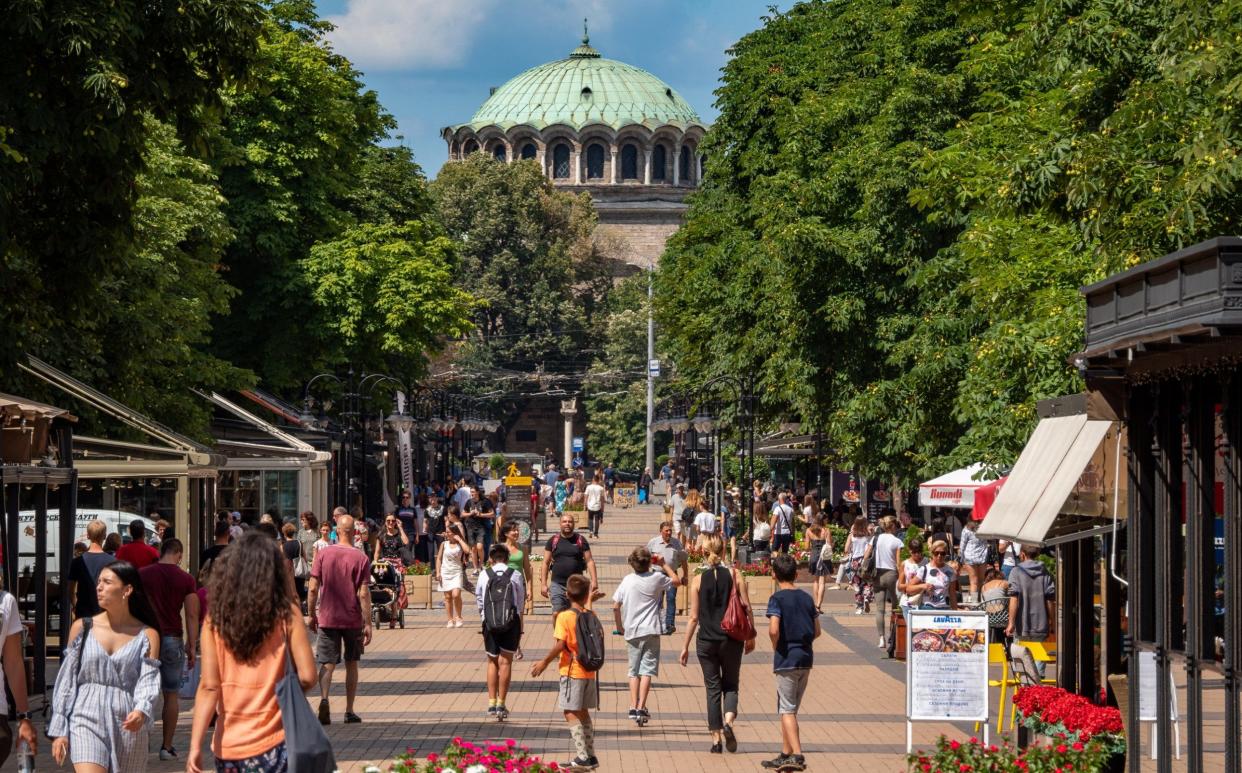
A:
[418,590]
[760,590]
[683,599]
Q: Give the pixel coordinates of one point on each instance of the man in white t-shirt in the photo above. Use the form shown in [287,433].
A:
[14,675]
[636,611]
[594,496]
[706,522]
[671,553]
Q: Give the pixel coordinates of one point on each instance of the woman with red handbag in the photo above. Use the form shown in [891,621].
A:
[722,627]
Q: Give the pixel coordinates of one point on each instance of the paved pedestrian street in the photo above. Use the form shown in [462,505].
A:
[422,686]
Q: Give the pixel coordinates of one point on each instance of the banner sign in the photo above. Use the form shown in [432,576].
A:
[517,503]
[947,665]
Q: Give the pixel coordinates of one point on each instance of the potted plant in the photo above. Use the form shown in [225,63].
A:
[418,585]
[1059,716]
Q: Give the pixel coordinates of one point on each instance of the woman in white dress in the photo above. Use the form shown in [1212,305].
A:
[450,566]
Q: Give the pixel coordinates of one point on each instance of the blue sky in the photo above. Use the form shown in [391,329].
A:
[433,61]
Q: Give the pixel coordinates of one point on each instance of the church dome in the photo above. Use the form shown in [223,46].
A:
[581,90]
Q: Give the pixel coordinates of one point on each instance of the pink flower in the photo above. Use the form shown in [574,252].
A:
[954,745]
[510,742]
[432,758]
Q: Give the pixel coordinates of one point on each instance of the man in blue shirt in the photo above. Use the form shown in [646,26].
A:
[793,625]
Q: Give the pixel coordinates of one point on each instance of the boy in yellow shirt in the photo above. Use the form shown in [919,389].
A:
[579,690]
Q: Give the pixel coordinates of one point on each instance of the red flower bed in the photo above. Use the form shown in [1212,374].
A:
[1054,712]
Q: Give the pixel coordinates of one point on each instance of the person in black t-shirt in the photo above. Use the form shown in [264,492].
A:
[84,571]
[223,535]
[564,555]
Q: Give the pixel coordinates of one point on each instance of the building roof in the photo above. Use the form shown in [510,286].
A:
[584,89]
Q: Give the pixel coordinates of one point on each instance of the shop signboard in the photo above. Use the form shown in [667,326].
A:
[517,503]
[946,668]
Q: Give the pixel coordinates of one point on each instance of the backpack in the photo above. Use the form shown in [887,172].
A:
[499,612]
[687,516]
[590,636]
[556,539]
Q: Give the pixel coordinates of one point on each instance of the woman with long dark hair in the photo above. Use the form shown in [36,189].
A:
[254,617]
[110,669]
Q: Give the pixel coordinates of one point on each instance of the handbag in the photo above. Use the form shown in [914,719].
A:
[736,623]
[866,568]
[307,744]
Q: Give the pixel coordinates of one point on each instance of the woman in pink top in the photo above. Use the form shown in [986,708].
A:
[244,642]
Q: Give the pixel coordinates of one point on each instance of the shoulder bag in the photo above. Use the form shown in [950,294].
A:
[307,744]
[737,623]
[866,569]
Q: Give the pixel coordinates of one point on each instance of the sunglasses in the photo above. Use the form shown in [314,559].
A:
[939,553]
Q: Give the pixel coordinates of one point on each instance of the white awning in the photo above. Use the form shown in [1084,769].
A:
[1065,471]
[954,489]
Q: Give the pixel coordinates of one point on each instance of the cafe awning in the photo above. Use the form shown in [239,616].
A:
[1061,486]
[953,489]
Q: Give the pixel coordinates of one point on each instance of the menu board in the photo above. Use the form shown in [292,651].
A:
[517,504]
[947,665]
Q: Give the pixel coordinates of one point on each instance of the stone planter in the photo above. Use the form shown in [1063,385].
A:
[418,590]
[683,599]
[760,589]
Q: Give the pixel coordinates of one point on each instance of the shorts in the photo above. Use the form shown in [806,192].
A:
[328,645]
[578,694]
[172,663]
[475,534]
[558,596]
[274,760]
[644,652]
[506,642]
[790,685]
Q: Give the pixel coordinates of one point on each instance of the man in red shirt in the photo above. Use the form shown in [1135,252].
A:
[339,602]
[137,551]
[172,593]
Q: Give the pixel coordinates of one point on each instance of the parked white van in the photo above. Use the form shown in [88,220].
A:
[117,520]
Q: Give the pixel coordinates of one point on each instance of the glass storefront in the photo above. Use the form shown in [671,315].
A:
[254,492]
[140,496]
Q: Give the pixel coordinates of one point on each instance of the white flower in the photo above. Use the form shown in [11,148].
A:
[477,769]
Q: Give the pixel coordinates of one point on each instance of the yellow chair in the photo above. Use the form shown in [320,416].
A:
[1040,652]
[998,656]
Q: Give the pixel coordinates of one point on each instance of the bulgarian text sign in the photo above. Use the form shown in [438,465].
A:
[947,665]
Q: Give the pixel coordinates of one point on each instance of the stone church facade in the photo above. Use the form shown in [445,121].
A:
[604,127]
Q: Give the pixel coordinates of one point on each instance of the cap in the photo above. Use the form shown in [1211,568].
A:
[235,515]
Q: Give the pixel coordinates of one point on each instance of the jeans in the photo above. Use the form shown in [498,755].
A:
[721,662]
[670,609]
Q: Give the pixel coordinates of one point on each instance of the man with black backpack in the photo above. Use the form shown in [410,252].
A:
[501,595]
[564,555]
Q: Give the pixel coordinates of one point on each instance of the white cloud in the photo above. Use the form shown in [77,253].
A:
[402,34]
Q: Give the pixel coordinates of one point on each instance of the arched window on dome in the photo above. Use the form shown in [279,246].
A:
[686,157]
[659,163]
[529,151]
[471,147]
[560,162]
[595,162]
[629,162]
[499,153]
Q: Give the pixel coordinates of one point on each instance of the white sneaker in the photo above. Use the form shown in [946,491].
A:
[457,624]
[449,624]
[883,644]
[858,610]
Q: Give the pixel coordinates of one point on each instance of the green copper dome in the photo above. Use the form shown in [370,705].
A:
[581,90]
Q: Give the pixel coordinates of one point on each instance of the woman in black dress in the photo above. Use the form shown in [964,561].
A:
[719,656]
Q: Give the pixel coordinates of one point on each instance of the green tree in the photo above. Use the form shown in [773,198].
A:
[387,292]
[290,157]
[390,188]
[78,83]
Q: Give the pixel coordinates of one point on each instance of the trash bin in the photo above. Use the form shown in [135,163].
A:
[743,554]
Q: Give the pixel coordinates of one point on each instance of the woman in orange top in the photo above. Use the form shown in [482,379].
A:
[243,658]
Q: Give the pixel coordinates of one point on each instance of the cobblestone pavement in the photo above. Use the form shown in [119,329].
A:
[423,685]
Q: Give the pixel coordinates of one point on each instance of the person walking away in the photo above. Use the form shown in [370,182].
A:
[706,524]
[222,535]
[1009,557]
[501,597]
[109,680]
[339,603]
[719,656]
[676,504]
[793,627]
[255,620]
[636,611]
[577,640]
[670,552]
[994,598]
[137,551]
[913,569]
[13,674]
[595,494]
[564,555]
[855,548]
[818,540]
[974,558]
[886,545]
[644,486]
[686,517]
[84,571]
[171,591]
[1032,593]
[450,568]
[291,548]
[782,524]
[761,534]
[610,480]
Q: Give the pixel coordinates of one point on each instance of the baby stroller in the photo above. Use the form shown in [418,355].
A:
[385,595]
